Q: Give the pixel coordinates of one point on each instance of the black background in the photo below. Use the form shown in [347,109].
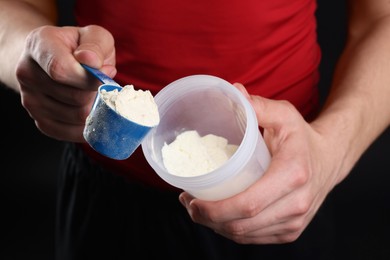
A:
[29,164]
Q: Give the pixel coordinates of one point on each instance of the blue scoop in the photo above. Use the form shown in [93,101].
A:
[108,132]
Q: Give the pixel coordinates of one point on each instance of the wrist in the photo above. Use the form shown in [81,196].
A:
[340,128]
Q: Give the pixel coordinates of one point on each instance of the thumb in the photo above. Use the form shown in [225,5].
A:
[274,113]
[96,49]
[270,113]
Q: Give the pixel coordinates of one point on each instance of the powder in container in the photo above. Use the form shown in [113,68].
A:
[191,155]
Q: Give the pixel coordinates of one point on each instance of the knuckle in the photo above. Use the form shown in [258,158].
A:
[295,227]
[34,38]
[250,210]
[288,106]
[55,69]
[76,96]
[28,103]
[98,29]
[289,111]
[80,97]
[82,115]
[302,206]
[300,177]
[31,38]
[21,72]
[212,217]
[289,238]
[235,229]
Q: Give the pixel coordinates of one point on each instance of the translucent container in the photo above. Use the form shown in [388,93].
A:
[209,105]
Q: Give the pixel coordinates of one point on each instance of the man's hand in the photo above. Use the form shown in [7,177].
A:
[280,205]
[55,90]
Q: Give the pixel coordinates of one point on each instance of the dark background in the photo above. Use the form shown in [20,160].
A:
[29,164]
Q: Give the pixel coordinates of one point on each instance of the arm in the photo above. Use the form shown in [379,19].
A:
[18,18]
[309,159]
[357,110]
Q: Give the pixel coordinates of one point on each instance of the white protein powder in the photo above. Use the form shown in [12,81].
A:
[192,155]
[136,105]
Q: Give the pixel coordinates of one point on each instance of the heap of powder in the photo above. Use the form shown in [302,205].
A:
[192,155]
[136,105]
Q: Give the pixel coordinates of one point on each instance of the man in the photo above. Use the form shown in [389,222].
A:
[268,47]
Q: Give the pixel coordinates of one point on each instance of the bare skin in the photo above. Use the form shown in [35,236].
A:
[308,158]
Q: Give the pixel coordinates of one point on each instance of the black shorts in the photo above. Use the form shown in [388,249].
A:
[101,216]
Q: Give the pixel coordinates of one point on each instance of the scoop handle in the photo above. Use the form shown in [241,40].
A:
[100,75]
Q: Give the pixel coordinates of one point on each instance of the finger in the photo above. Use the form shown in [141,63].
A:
[33,80]
[284,213]
[96,49]
[51,120]
[42,106]
[55,119]
[282,232]
[283,221]
[61,131]
[279,180]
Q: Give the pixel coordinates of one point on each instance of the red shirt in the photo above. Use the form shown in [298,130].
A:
[270,46]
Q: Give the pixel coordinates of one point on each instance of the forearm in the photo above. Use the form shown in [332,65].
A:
[357,110]
[18,18]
